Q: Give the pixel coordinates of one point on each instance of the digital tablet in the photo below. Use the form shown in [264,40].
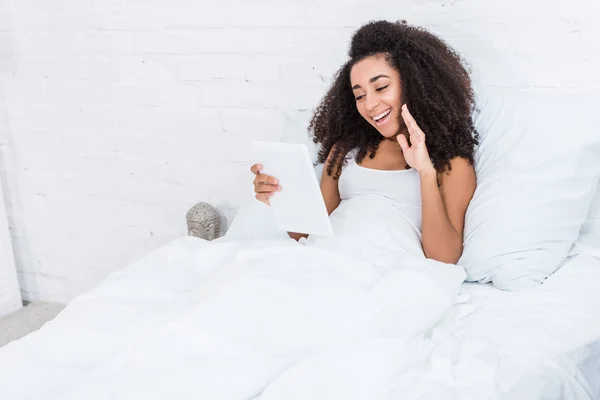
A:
[299,206]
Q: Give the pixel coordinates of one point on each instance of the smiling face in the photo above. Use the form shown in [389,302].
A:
[377,89]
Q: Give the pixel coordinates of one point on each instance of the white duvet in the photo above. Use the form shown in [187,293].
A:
[271,319]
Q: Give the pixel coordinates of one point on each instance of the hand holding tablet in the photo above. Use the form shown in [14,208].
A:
[288,183]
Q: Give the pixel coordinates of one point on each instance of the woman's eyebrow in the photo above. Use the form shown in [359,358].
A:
[373,79]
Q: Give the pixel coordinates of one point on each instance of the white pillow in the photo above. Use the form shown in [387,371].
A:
[537,171]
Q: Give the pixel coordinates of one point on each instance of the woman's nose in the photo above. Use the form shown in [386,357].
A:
[371,103]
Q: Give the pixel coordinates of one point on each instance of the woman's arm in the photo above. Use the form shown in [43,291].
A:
[330,192]
[444,204]
[444,208]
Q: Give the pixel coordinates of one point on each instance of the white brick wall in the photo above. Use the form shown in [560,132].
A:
[122,114]
[10,298]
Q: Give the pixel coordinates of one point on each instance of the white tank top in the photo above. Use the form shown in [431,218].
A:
[379,217]
[400,187]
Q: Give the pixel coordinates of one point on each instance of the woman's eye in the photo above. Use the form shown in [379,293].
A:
[381,88]
[359,97]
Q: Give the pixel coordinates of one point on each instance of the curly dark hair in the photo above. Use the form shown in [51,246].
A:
[436,87]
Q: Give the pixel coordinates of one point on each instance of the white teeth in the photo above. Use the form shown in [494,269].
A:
[383,114]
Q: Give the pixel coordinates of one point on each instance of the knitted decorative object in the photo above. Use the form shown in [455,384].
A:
[203,221]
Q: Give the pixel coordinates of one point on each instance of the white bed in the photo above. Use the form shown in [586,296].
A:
[189,320]
[541,344]
[547,341]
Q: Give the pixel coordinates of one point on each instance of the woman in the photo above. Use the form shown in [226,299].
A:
[397,122]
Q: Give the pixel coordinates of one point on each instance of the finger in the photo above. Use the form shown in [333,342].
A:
[410,122]
[414,138]
[419,139]
[263,178]
[403,142]
[255,169]
[416,134]
[266,188]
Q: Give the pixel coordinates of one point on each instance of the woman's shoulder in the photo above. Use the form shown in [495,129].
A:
[458,165]
[461,171]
